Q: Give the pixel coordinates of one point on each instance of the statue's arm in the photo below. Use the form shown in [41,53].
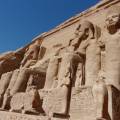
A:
[41,66]
[82,48]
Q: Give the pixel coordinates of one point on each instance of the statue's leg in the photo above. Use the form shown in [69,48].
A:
[68,59]
[5,101]
[4,82]
[30,82]
[64,91]
[52,72]
[13,79]
[21,82]
[79,75]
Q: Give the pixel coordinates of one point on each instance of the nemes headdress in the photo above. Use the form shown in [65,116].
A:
[86,24]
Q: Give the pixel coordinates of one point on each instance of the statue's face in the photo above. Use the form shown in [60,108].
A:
[83,32]
[112,19]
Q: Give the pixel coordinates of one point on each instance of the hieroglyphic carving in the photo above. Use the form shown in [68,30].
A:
[82,105]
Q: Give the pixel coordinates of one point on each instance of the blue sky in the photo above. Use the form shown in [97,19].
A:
[22,20]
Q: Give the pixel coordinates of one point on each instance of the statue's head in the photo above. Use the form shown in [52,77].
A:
[113,18]
[85,30]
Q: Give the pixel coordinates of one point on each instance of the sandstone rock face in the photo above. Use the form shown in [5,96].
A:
[69,73]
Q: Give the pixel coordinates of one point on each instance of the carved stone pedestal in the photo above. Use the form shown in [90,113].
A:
[82,105]
[17,116]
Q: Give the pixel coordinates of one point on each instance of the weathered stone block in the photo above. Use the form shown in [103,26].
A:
[82,105]
[16,116]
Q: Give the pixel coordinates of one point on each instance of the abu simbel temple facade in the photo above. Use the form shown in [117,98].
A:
[69,73]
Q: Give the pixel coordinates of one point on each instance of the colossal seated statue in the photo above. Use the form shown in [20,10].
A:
[20,76]
[29,59]
[12,61]
[112,47]
[71,64]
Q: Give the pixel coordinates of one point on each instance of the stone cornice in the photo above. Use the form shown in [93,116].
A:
[101,5]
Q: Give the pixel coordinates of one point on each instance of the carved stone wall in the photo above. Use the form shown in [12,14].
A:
[64,74]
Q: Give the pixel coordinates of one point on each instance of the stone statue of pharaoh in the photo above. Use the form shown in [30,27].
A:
[66,61]
[91,50]
[112,47]
[30,58]
[20,77]
[73,56]
[84,52]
